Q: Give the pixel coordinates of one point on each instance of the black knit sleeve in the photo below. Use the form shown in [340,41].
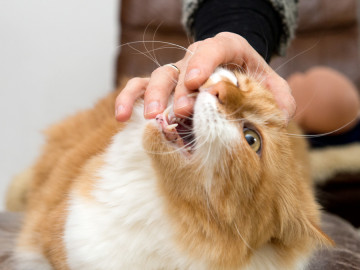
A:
[255,20]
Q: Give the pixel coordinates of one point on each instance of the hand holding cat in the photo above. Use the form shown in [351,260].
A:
[200,60]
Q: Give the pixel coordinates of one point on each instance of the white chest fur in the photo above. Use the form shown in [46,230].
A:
[125,227]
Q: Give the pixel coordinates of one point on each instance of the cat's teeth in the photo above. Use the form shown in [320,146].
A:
[171,127]
[166,111]
[166,114]
[171,115]
[193,94]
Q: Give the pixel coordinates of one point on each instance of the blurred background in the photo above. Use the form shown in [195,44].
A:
[56,57]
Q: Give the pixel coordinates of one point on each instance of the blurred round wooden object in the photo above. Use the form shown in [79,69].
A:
[327,101]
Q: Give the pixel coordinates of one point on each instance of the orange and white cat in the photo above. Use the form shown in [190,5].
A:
[226,188]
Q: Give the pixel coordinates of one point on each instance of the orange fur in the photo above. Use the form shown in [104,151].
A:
[71,147]
[253,200]
[208,224]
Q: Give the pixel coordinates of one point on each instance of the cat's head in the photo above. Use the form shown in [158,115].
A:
[231,176]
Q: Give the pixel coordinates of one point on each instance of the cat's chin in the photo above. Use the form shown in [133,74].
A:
[177,131]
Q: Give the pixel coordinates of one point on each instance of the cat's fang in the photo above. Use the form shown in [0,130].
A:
[171,127]
[165,114]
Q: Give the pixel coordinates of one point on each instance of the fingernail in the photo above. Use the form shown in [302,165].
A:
[152,107]
[192,74]
[182,102]
[119,109]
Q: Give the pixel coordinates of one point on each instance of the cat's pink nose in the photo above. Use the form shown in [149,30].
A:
[219,90]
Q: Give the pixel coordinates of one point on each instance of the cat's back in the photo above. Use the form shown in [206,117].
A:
[70,146]
[71,143]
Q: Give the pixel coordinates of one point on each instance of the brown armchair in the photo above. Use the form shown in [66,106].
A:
[145,23]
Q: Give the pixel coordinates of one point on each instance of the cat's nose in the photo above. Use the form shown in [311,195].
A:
[219,90]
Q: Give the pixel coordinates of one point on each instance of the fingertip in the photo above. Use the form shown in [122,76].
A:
[152,115]
[183,112]
[122,113]
[195,78]
[289,110]
[292,107]
[192,74]
[184,106]
[286,116]
[152,109]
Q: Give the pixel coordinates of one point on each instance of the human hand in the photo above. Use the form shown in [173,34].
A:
[199,62]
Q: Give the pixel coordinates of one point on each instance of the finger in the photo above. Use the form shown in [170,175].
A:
[287,104]
[183,102]
[282,94]
[224,48]
[229,48]
[162,82]
[124,103]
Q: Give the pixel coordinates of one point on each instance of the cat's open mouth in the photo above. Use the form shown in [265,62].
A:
[178,131]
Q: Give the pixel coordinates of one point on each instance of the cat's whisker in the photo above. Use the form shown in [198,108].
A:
[234,112]
[205,160]
[177,149]
[242,238]
[295,56]
[147,56]
[156,41]
[257,67]
[145,47]
[153,51]
[209,210]
[150,54]
[164,47]
[314,94]
[237,120]
[294,135]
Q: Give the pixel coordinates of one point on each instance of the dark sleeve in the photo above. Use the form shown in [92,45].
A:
[255,20]
[258,21]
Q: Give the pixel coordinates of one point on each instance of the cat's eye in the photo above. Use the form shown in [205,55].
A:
[253,139]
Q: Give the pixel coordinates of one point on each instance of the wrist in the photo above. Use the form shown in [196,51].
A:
[255,20]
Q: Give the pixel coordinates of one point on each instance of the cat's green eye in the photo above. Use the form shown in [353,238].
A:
[253,139]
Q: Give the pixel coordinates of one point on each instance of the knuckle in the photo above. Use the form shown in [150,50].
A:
[151,88]
[118,99]
[133,82]
[157,72]
[223,35]
[147,94]
[211,42]
[194,46]
[226,36]
[152,92]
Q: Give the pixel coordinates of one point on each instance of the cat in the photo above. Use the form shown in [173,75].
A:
[226,188]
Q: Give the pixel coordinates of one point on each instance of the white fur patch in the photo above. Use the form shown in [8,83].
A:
[212,130]
[126,226]
[214,134]
[26,260]
[221,73]
[266,258]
